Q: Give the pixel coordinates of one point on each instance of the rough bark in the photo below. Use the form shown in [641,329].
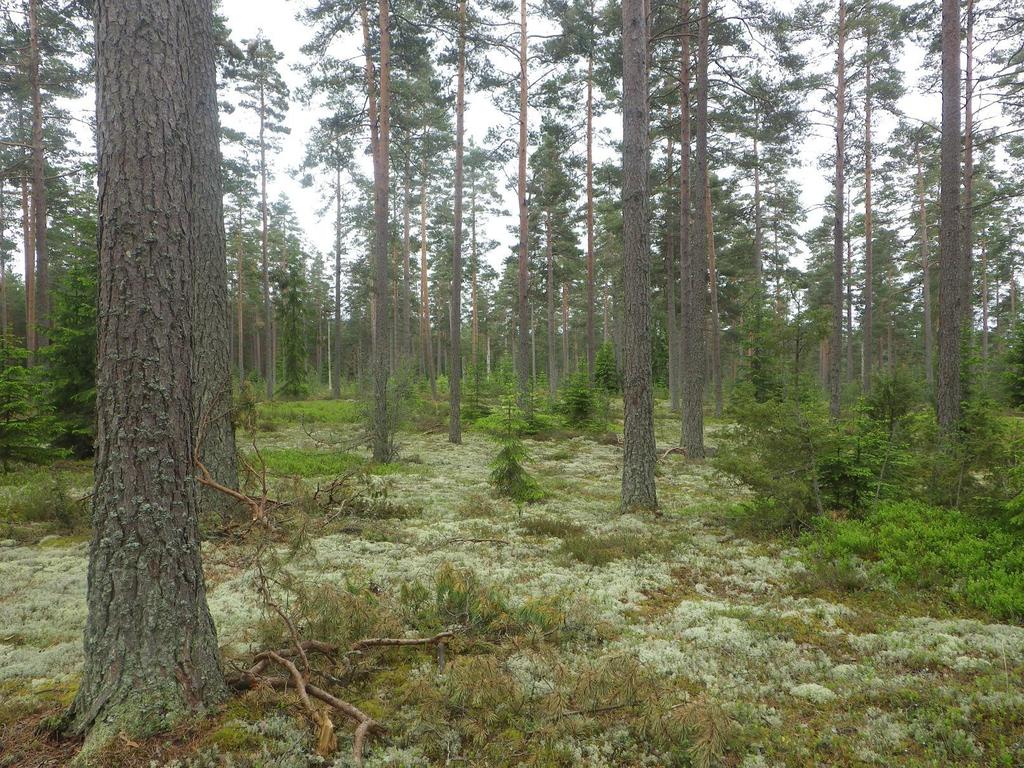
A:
[639,453]
[838,235]
[212,321]
[455,373]
[949,387]
[525,393]
[150,645]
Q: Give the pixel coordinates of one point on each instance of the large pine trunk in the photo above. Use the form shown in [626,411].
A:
[150,646]
[639,456]
[949,388]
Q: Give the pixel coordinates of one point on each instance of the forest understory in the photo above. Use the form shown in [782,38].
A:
[582,635]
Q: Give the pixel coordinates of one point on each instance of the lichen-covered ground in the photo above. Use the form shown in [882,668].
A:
[660,618]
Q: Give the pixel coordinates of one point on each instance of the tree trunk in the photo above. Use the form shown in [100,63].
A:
[475,334]
[716,327]
[240,302]
[29,249]
[949,388]
[42,281]
[425,342]
[150,644]
[758,228]
[639,454]
[336,341]
[380,125]
[838,236]
[867,321]
[967,208]
[525,394]
[565,329]
[406,328]
[591,341]
[455,373]
[849,294]
[926,279]
[695,285]
[552,360]
[4,329]
[984,302]
[269,360]
[671,303]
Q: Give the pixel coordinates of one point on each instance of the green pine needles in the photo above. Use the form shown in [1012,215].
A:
[508,475]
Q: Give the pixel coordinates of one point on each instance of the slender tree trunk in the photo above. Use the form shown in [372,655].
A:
[406,326]
[695,278]
[42,281]
[867,321]
[270,361]
[671,303]
[550,291]
[716,327]
[4,325]
[525,394]
[150,645]
[455,374]
[686,314]
[565,329]
[838,235]
[380,125]
[758,227]
[639,455]
[926,278]
[850,373]
[475,335]
[591,341]
[949,387]
[984,301]
[967,208]
[240,302]
[336,341]
[425,341]
[29,249]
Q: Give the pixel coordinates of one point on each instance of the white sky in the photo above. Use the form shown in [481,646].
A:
[277,21]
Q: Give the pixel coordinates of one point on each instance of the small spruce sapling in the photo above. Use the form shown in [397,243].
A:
[26,423]
[606,371]
[508,475]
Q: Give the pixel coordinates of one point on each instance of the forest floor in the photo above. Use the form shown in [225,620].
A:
[584,636]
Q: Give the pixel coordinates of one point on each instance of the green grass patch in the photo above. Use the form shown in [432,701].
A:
[550,526]
[324,412]
[296,463]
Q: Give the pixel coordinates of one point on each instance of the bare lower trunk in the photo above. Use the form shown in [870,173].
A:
[425,343]
[42,281]
[552,360]
[926,279]
[455,373]
[639,456]
[716,328]
[525,395]
[29,249]
[150,645]
[836,336]
[565,329]
[591,341]
[336,341]
[949,389]
[695,286]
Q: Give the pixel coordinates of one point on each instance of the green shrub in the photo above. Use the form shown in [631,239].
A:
[508,475]
[578,401]
[606,370]
[977,560]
